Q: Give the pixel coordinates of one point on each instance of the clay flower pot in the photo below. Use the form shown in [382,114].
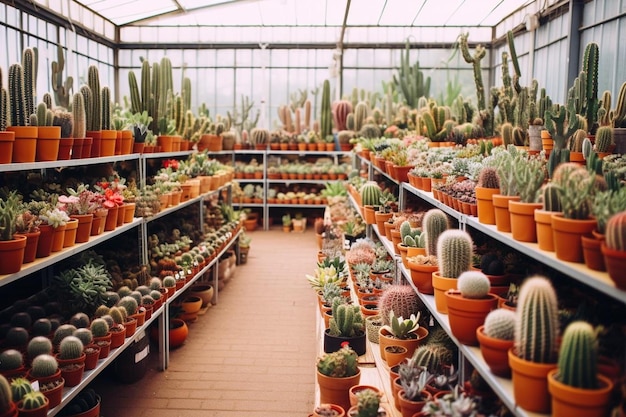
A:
[545,235]
[441,285]
[501,209]
[337,390]
[495,352]
[386,339]
[12,254]
[486,213]
[409,407]
[422,276]
[530,383]
[523,227]
[467,314]
[395,354]
[567,234]
[570,401]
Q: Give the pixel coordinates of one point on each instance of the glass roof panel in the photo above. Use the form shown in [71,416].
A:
[122,12]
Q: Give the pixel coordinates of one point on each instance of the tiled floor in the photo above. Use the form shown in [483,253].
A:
[252,354]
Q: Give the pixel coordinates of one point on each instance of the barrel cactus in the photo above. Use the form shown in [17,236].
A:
[101,311]
[156,295]
[128,303]
[454,253]
[70,348]
[537,324]
[124,291]
[370,194]
[433,357]
[16,336]
[155,283]
[80,320]
[401,299]
[99,327]
[500,324]
[38,345]
[434,224]
[62,332]
[616,232]
[41,327]
[169,281]
[488,178]
[11,359]
[20,387]
[118,315]
[44,366]
[84,335]
[6,398]
[368,402]
[473,284]
[551,198]
[33,400]
[604,138]
[259,136]
[578,356]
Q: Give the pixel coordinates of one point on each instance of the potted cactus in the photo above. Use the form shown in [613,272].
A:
[543,217]
[12,363]
[534,353]
[336,373]
[45,369]
[454,256]
[468,307]
[7,139]
[404,332]
[71,359]
[370,193]
[12,246]
[33,404]
[530,174]
[345,325]
[328,410]
[576,386]
[368,404]
[614,249]
[487,185]
[495,338]
[413,380]
[22,79]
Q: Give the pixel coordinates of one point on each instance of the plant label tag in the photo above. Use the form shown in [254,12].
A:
[142,354]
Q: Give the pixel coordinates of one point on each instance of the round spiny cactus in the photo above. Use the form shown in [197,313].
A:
[109,320]
[500,324]
[368,402]
[43,366]
[454,253]
[6,397]
[128,303]
[401,299]
[110,298]
[101,311]
[99,327]
[16,336]
[155,294]
[537,324]
[616,232]
[143,289]
[11,359]
[39,345]
[137,296]
[435,223]
[147,300]
[370,194]
[155,283]
[33,400]
[124,291]
[85,335]
[80,320]
[62,332]
[604,138]
[41,327]
[488,178]
[259,136]
[118,315]
[432,357]
[169,281]
[71,347]
[578,356]
[473,284]
[20,387]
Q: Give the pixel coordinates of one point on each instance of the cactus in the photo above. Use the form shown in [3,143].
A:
[529,175]
[401,299]
[473,284]
[259,136]
[6,397]
[85,336]
[326,117]
[137,295]
[94,112]
[105,123]
[340,364]
[370,194]
[619,113]
[576,189]
[118,315]
[43,366]
[44,116]
[16,336]
[368,402]
[551,198]
[11,359]
[155,294]
[340,114]
[410,80]
[19,388]
[578,356]
[537,325]
[435,223]
[29,64]
[62,89]
[79,320]
[604,138]
[507,133]
[38,345]
[591,57]
[488,178]
[4,108]
[129,304]
[616,232]
[33,400]
[431,356]
[562,121]
[454,253]
[360,115]
[346,320]
[71,347]
[88,99]
[62,332]
[485,112]
[17,96]
[500,324]
[99,327]
[369,131]
[101,311]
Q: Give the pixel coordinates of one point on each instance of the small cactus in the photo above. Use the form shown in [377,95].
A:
[143,289]
[33,400]
[169,281]
[488,178]
[454,253]
[155,283]
[101,311]
[99,327]
[435,223]
[155,294]
[129,304]
[124,291]
[616,232]
[370,194]
[44,366]
[473,284]
[85,336]
[41,327]
[551,198]
[109,320]
[6,398]
[11,359]
[368,402]
[401,299]
[500,324]
[62,332]
[432,356]
[118,315]
[19,388]
[39,345]
[80,320]
[346,320]
[578,356]
[71,347]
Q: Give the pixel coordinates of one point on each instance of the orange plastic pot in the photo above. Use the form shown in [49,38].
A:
[569,401]
[58,238]
[83,230]
[545,234]
[495,352]
[422,276]
[25,145]
[96,141]
[567,234]
[337,390]
[48,141]
[615,261]
[468,314]
[441,285]
[501,209]
[69,238]
[108,140]
[530,383]
[12,254]
[523,226]
[486,213]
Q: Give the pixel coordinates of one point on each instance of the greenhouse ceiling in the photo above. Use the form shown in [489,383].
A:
[301,21]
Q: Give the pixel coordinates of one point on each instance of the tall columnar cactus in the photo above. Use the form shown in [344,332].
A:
[473,284]
[340,114]
[326,117]
[500,324]
[370,194]
[4,109]
[537,321]
[604,138]
[105,96]
[507,133]
[43,117]
[43,366]
[517,73]
[346,320]
[62,89]
[561,122]
[71,347]
[6,397]
[410,80]
[616,232]
[551,198]
[17,95]
[435,222]
[619,113]
[401,299]
[29,63]
[485,112]
[361,112]
[94,118]
[454,253]
[578,356]
[79,127]
[591,57]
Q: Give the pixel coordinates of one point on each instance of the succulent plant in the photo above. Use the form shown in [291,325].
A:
[576,189]
[500,324]
[434,224]
[368,402]
[44,366]
[346,320]
[101,311]
[616,232]
[454,253]
[340,364]
[578,356]
[473,284]
[129,303]
[402,328]
[79,320]
[19,387]
[401,299]
[11,359]
[71,347]
[169,281]
[39,345]
[99,327]
[537,324]
[33,400]
[118,315]
[156,295]
[551,198]
[85,335]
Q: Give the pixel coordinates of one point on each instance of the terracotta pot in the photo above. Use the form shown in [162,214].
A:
[99,220]
[48,141]
[569,401]
[394,354]
[25,145]
[441,285]
[77,148]
[355,389]
[567,234]
[523,227]
[381,218]
[204,291]
[30,251]
[129,212]
[386,339]
[104,343]
[615,261]
[12,254]
[55,395]
[591,251]
[36,412]
[92,412]
[58,237]
[396,239]
[501,209]
[403,249]
[486,213]
[12,407]
[368,214]
[408,408]
[7,139]
[545,234]
[336,390]
[65,149]
[92,354]
[73,374]
[466,315]
[388,228]
[84,226]
[212,143]
[166,142]
[108,139]
[96,141]
[178,333]
[117,337]
[71,228]
[138,147]
[131,326]
[88,144]
[530,383]
[127,142]
[110,222]
[422,277]
[495,352]
[400,172]
[338,409]
[44,245]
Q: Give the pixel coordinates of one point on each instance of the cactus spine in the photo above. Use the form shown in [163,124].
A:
[435,222]
[29,64]
[259,136]
[401,299]
[43,366]
[326,118]
[500,324]
[340,114]
[578,356]
[616,232]
[488,178]
[368,402]
[71,347]
[454,253]
[94,118]
[360,115]
[473,284]
[370,194]
[17,96]
[590,67]
[604,138]
[11,359]
[6,397]
[129,304]
[19,388]
[537,325]
[99,327]
[430,357]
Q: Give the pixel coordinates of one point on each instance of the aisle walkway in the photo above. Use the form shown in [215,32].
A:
[252,354]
